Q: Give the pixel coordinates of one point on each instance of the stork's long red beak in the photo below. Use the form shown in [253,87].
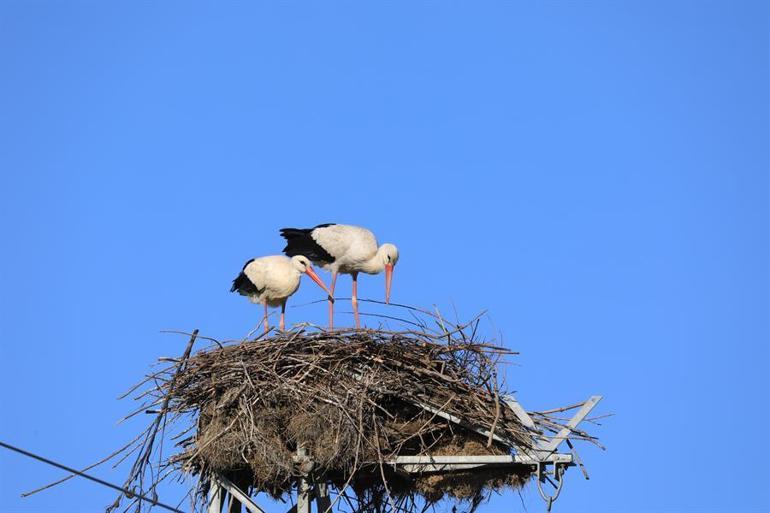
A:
[313,276]
[388,281]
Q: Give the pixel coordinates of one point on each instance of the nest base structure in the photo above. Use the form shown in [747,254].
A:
[353,420]
[542,461]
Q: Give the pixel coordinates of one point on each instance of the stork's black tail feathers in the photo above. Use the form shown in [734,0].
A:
[240,283]
[243,285]
[300,241]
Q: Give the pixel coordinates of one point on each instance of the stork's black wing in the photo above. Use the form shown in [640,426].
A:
[299,241]
[243,285]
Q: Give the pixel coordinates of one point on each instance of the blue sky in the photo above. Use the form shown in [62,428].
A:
[595,174]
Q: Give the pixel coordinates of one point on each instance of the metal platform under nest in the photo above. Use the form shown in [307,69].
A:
[543,456]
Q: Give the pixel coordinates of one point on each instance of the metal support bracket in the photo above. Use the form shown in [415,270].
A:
[220,484]
[582,413]
[542,445]
[558,475]
[322,500]
[420,464]
[544,448]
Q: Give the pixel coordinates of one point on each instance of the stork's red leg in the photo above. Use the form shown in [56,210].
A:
[354,300]
[331,301]
[282,325]
[264,320]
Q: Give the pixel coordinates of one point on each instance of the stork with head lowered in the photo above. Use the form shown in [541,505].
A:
[343,249]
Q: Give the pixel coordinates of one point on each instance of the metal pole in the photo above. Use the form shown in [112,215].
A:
[303,486]
[216,498]
[322,500]
[303,496]
[236,494]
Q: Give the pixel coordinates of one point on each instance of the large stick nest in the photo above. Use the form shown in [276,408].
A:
[351,401]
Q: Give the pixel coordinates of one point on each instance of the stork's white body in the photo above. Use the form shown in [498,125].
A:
[346,249]
[271,280]
[354,249]
[275,278]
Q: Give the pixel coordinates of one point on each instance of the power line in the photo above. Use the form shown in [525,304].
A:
[128,493]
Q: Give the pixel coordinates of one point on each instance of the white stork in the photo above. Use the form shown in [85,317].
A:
[270,280]
[346,249]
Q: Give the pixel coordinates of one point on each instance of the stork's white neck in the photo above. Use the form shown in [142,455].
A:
[374,265]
